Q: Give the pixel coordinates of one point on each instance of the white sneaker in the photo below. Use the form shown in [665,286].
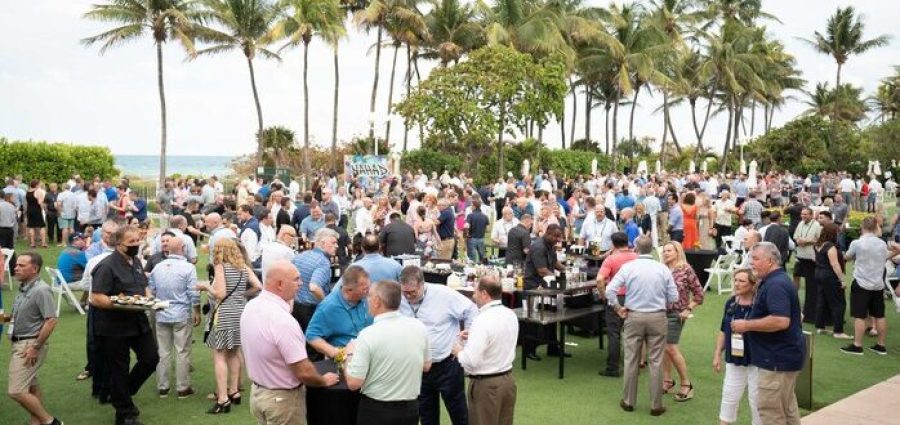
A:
[822,331]
[842,336]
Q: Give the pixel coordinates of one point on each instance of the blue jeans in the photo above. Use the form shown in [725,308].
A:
[444,381]
[474,246]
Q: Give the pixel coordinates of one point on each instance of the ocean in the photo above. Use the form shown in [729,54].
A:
[147,166]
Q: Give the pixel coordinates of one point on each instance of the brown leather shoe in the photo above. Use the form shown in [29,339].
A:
[625,406]
[657,412]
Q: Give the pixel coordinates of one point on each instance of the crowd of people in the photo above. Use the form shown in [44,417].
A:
[304,270]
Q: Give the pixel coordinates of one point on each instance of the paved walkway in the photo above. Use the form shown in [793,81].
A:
[870,406]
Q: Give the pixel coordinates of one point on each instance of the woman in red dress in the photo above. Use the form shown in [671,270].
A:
[691,228]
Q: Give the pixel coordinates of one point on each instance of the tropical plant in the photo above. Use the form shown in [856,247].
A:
[164,20]
[886,100]
[245,26]
[54,162]
[454,31]
[279,145]
[843,38]
[406,26]
[303,20]
[842,104]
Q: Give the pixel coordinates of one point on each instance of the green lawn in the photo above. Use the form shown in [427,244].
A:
[582,398]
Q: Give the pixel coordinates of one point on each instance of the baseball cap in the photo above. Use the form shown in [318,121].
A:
[76,235]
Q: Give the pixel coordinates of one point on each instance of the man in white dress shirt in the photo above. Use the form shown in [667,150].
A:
[487,357]
[598,229]
[500,231]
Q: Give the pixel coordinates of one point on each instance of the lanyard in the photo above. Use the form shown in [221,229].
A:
[415,310]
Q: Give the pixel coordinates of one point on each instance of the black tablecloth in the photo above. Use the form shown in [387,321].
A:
[335,405]
[700,260]
[438,278]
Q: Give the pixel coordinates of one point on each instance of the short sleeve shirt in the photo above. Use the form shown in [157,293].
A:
[539,256]
[115,276]
[781,351]
[33,305]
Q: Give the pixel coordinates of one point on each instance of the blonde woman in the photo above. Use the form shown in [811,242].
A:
[737,361]
[232,272]
[707,232]
[690,295]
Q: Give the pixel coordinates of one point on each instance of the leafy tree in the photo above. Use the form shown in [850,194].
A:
[164,20]
[279,144]
[485,97]
[808,144]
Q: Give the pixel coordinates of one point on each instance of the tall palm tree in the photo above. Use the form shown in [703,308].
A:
[454,31]
[373,17]
[164,20]
[843,38]
[303,20]
[246,25]
[843,104]
[528,26]
[405,25]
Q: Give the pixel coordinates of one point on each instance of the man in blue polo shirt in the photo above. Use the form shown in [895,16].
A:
[774,336]
[341,315]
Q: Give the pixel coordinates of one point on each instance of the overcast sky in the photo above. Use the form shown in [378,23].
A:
[55,89]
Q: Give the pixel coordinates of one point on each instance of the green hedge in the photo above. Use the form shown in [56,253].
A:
[430,161]
[54,162]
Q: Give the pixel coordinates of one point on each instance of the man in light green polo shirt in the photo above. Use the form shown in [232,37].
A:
[387,360]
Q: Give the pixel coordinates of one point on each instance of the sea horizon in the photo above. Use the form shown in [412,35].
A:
[147,166]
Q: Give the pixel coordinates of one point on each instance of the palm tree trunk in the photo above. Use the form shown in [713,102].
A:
[738,114]
[574,109]
[587,113]
[408,84]
[753,118]
[375,90]
[419,81]
[615,126]
[259,117]
[502,124]
[637,90]
[837,83]
[306,166]
[668,121]
[334,119]
[693,103]
[162,116]
[387,129]
[706,118]
[606,107]
[771,117]
[562,128]
[727,137]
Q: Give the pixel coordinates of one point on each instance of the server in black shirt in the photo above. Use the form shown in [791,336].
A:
[118,331]
[541,261]
[343,240]
[518,241]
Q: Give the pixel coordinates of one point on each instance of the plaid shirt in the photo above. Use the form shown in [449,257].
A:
[753,210]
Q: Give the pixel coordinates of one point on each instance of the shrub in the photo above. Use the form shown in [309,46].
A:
[54,162]
[429,161]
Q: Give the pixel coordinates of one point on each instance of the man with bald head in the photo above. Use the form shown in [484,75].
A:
[175,280]
[216,231]
[274,349]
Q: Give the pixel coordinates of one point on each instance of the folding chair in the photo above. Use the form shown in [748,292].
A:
[61,288]
[721,272]
[7,256]
[730,244]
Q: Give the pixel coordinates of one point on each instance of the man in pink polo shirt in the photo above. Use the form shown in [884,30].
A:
[619,255]
[275,351]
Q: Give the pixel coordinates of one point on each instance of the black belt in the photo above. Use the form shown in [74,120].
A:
[22,338]
[277,389]
[447,238]
[490,375]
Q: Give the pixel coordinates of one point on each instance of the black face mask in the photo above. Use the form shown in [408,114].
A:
[132,251]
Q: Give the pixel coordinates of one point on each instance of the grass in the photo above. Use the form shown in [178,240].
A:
[581,398]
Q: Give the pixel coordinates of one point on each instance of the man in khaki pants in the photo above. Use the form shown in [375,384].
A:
[33,320]
[275,351]
[774,336]
[446,230]
[649,288]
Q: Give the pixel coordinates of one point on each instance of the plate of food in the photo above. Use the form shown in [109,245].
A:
[137,302]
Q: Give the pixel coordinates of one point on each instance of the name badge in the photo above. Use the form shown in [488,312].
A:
[737,345]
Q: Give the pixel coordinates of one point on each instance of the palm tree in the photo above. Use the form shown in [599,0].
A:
[305,19]
[886,100]
[454,31]
[164,21]
[373,16]
[528,26]
[844,37]
[405,25]
[278,145]
[246,25]
[842,104]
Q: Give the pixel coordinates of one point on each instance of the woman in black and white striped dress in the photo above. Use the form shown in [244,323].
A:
[232,272]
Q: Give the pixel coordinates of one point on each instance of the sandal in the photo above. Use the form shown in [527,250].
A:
[235,398]
[668,384]
[220,408]
[679,396]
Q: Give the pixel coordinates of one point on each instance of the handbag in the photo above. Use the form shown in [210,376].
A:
[214,316]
